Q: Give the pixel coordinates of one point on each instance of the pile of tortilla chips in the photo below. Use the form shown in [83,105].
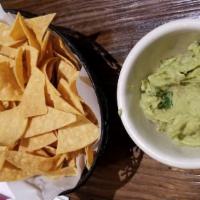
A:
[44,124]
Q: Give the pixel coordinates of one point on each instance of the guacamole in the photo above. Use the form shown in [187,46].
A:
[170,97]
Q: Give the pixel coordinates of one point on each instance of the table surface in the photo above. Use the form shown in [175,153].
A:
[124,172]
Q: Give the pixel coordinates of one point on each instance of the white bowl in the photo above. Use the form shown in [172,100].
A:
[163,42]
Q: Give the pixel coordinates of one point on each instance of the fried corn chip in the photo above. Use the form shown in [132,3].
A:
[16,31]
[3,154]
[31,163]
[63,51]
[32,40]
[33,101]
[67,72]
[89,156]
[40,24]
[46,47]
[41,152]
[54,119]
[13,126]
[31,55]
[50,150]
[18,69]
[11,173]
[1,107]
[8,51]
[77,136]
[37,142]
[58,102]
[69,95]
[9,89]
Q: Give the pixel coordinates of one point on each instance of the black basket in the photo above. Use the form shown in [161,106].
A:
[99,66]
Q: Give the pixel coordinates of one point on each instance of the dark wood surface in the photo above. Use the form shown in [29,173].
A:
[124,172]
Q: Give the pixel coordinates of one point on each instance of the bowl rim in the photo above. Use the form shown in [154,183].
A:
[149,38]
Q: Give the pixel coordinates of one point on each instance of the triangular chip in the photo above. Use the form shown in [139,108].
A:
[32,40]
[69,95]
[33,100]
[68,62]
[41,152]
[63,51]
[1,107]
[60,104]
[11,173]
[37,142]
[46,47]
[17,32]
[8,51]
[3,153]
[13,126]
[67,72]
[31,55]
[7,59]
[77,136]
[57,101]
[18,69]
[89,156]
[48,66]
[40,24]
[54,119]
[31,163]
[9,89]
[50,150]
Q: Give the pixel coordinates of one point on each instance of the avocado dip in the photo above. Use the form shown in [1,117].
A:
[170,97]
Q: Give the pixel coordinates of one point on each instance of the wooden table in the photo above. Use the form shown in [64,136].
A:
[124,172]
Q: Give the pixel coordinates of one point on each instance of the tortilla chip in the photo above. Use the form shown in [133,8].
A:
[46,47]
[17,44]
[68,62]
[3,153]
[40,24]
[58,102]
[54,119]
[47,68]
[8,51]
[13,125]
[11,173]
[37,142]
[8,60]
[41,152]
[50,150]
[33,100]
[67,72]
[12,104]
[69,95]
[1,107]
[60,161]
[17,32]
[9,90]
[89,156]
[31,55]
[63,51]
[18,69]
[89,114]
[31,163]
[50,89]
[29,34]
[77,136]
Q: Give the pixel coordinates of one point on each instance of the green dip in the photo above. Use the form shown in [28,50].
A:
[170,97]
